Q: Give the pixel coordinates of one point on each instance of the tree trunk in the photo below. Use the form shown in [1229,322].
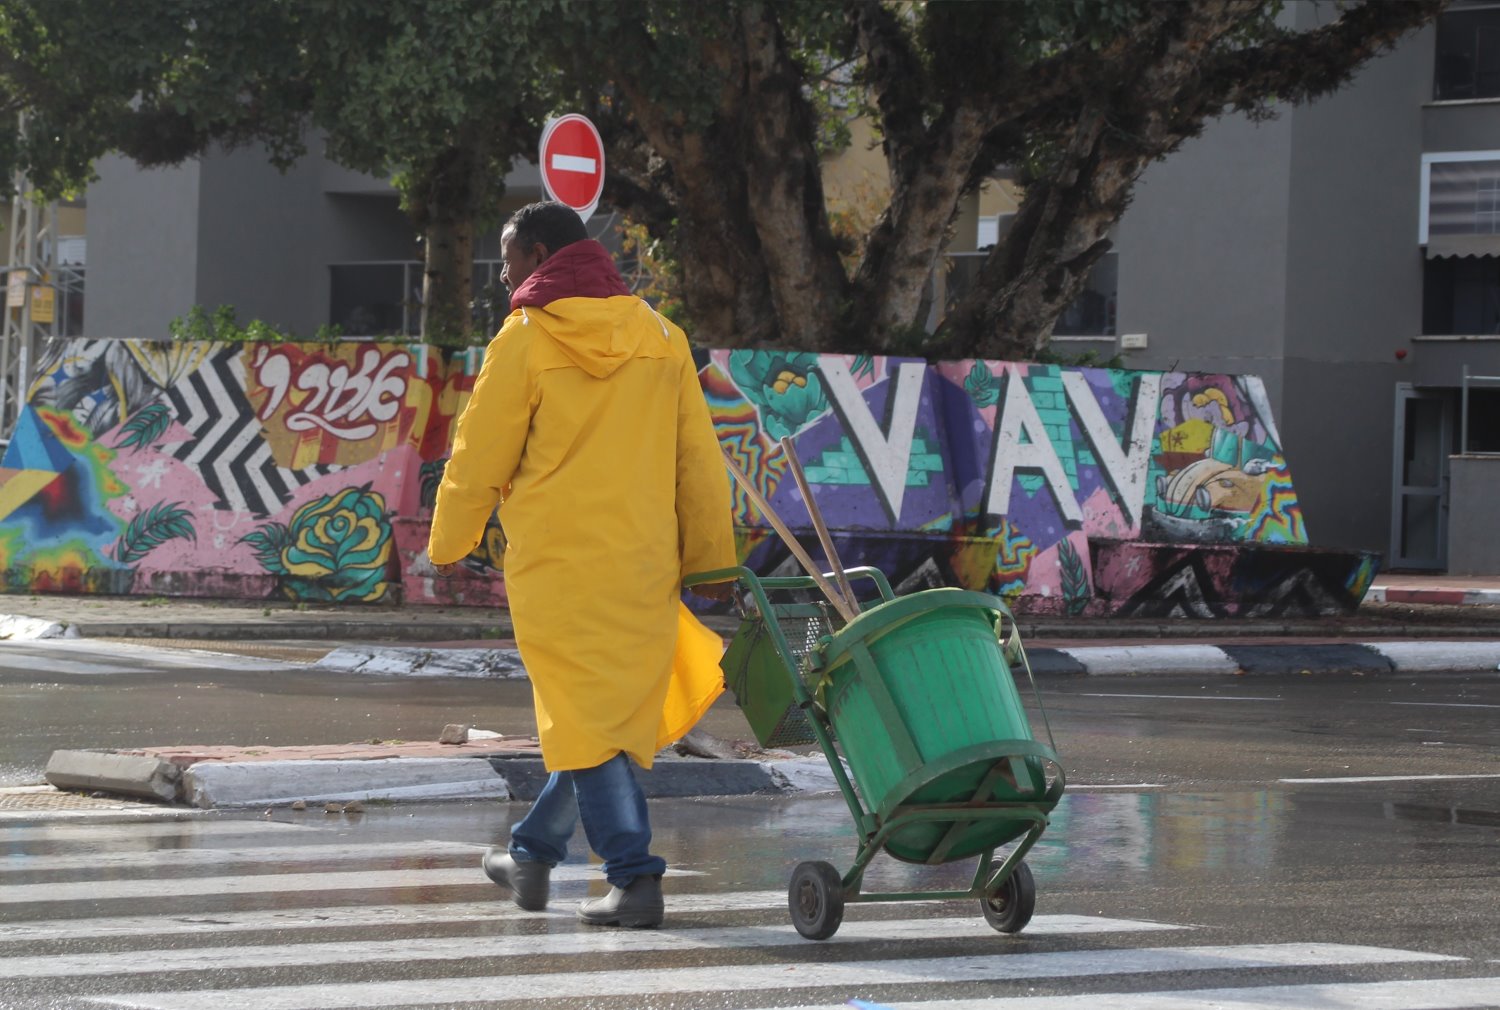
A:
[1042,265]
[447,279]
[784,180]
[759,263]
[442,197]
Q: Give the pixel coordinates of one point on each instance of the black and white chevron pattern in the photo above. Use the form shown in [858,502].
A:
[228,448]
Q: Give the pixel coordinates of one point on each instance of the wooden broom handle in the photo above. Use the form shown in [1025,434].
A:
[816,515]
[744,481]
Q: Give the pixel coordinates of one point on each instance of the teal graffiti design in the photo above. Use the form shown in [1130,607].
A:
[1075,578]
[161,522]
[145,426]
[981,386]
[842,466]
[326,552]
[785,388]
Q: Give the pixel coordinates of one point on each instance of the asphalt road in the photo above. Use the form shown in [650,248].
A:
[1309,841]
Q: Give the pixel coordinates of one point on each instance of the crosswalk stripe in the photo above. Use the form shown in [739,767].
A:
[156,887]
[1407,994]
[264,883]
[363,952]
[854,976]
[176,859]
[459,912]
[117,832]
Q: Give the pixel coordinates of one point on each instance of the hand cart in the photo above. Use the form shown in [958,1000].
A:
[917,692]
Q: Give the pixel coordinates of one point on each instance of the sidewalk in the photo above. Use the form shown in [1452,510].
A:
[1396,606]
[1411,625]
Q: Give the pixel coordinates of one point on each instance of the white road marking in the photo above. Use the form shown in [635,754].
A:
[851,976]
[1417,994]
[1443,704]
[267,883]
[573,163]
[1178,697]
[173,859]
[113,833]
[1344,779]
[1075,787]
[81,656]
[563,906]
[468,948]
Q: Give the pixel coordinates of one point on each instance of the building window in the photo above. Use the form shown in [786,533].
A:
[384,299]
[1461,296]
[1468,55]
[1092,313]
[1487,205]
[373,299]
[1459,212]
[988,231]
[1483,427]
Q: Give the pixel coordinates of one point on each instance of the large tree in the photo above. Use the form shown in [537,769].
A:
[712,117]
[445,95]
[716,117]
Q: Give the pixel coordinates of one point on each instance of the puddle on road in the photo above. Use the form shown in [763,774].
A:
[1442,814]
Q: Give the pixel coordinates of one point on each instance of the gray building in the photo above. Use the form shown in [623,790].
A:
[1348,252]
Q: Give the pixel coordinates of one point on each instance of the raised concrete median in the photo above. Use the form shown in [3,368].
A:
[503,769]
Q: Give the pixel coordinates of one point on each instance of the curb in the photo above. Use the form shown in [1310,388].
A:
[1071,661]
[214,784]
[1442,597]
[1239,659]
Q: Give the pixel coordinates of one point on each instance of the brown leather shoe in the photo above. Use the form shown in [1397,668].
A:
[637,906]
[529,882]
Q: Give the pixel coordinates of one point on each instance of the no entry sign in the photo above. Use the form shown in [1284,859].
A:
[573,163]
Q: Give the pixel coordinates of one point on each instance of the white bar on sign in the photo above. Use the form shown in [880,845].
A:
[573,163]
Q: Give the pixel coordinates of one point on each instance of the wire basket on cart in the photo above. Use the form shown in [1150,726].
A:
[917,692]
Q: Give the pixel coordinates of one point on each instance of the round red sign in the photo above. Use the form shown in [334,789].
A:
[572,162]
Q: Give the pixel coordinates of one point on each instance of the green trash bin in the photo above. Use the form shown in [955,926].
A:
[922,701]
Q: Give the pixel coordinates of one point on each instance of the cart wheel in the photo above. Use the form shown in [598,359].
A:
[1009,909]
[816,900]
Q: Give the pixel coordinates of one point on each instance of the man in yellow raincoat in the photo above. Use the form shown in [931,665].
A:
[588,422]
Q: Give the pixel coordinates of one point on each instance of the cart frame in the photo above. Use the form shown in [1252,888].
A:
[873,832]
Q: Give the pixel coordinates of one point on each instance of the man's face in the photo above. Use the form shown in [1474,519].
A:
[519,261]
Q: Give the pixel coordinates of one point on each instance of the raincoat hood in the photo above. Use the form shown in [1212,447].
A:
[583,304]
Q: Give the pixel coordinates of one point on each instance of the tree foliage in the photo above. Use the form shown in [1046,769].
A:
[712,117]
[718,119]
[440,95]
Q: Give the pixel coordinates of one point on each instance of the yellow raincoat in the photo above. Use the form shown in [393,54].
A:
[587,418]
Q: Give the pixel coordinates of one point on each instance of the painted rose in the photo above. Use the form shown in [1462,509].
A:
[784,386]
[337,547]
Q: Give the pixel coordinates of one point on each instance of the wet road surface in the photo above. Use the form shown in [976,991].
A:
[1225,842]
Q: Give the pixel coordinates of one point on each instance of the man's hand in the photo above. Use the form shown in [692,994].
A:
[447,570]
[717,591]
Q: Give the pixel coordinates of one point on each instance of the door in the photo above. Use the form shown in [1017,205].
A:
[1425,434]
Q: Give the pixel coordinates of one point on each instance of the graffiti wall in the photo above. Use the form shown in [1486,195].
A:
[1001,475]
[307,471]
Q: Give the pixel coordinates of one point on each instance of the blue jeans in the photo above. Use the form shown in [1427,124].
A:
[613,809]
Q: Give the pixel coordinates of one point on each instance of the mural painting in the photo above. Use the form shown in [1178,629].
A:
[218,469]
[307,472]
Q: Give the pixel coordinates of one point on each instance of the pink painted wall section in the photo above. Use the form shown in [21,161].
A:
[307,471]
